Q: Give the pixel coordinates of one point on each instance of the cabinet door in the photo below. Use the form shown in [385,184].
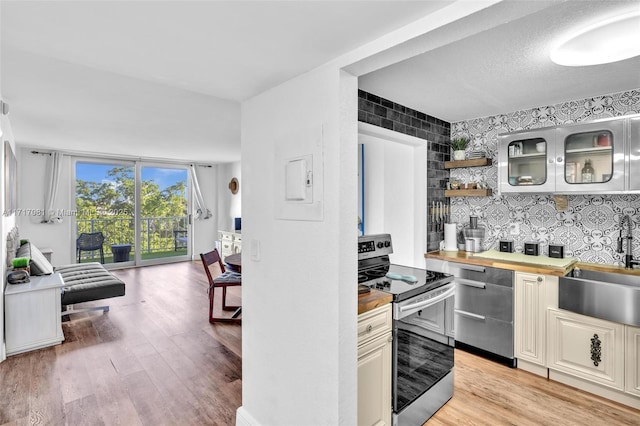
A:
[374,382]
[530,321]
[602,145]
[526,161]
[586,347]
[32,320]
[634,154]
[632,382]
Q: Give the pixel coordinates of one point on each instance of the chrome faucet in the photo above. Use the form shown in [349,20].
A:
[628,257]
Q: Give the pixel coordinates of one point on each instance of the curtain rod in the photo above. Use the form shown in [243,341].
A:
[120,157]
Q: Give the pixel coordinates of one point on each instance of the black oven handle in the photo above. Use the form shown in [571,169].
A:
[429,302]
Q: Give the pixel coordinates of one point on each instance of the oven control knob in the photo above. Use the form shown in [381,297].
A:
[387,243]
[380,244]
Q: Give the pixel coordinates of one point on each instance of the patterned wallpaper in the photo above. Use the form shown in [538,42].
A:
[588,228]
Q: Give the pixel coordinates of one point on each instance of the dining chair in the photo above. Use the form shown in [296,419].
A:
[90,241]
[223,279]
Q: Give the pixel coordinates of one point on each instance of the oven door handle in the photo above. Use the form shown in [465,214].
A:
[429,302]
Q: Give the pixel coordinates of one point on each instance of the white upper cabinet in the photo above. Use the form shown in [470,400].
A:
[579,158]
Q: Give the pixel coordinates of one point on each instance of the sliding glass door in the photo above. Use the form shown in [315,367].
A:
[164,221]
[131,213]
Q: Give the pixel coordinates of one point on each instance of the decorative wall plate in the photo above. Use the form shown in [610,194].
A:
[234,185]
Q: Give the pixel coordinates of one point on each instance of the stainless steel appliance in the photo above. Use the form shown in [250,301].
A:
[484,309]
[422,351]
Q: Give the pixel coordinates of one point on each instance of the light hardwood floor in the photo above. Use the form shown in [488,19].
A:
[154,359]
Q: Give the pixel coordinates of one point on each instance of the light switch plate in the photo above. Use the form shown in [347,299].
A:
[295,179]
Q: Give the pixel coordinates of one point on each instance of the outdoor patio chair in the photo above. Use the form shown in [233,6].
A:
[91,241]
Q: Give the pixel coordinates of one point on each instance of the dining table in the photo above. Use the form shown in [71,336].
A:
[234,262]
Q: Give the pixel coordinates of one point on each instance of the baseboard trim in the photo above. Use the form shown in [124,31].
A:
[536,369]
[594,388]
[243,418]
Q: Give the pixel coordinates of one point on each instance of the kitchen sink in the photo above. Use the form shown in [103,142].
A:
[606,295]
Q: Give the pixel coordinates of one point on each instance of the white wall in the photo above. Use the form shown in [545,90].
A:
[32,170]
[229,205]
[299,298]
[395,192]
[205,232]
[8,222]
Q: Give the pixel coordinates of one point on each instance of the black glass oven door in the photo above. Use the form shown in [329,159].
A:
[422,355]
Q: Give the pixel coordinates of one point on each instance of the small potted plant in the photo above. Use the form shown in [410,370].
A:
[21,263]
[458,145]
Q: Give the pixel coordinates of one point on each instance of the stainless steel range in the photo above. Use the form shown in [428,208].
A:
[422,350]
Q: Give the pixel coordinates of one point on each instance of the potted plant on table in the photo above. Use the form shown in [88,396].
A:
[458,145]
[21,263]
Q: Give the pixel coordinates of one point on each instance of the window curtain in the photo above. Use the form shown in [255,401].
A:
[202,212]
[54,169]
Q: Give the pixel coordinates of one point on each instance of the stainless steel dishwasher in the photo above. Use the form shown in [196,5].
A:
[484,309]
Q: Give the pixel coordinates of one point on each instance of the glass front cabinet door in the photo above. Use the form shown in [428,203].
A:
[581,158]
[524,159]
[590,158]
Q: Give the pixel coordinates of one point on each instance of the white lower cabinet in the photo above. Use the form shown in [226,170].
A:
[32,314]
[230,243]
[530,317]
[589,348]
[632,382]
[374,367]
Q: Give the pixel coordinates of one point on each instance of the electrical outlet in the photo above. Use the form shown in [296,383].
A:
[514,228]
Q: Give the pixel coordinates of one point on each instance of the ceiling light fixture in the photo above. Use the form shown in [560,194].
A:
[608,41]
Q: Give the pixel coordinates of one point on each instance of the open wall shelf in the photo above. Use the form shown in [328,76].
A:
[476,162]
[467,192]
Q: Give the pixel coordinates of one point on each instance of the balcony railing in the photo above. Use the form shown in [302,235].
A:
[156,233]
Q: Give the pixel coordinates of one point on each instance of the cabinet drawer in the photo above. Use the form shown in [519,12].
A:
[484,299]
[374,323]
[586,347]
[486,333]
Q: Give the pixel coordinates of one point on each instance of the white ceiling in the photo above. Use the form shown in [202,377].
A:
[164,79]
[507,68]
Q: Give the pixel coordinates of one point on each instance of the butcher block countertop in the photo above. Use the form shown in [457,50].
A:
[603,267]
[523,266]
[513,265]
[373,299]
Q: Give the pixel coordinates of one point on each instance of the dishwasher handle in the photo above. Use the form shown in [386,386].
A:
[470,283]
[469,315]
[469,267]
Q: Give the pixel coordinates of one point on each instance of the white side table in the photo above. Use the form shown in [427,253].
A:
[32,314]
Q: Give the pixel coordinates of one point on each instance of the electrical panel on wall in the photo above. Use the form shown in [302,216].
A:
[299,176]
